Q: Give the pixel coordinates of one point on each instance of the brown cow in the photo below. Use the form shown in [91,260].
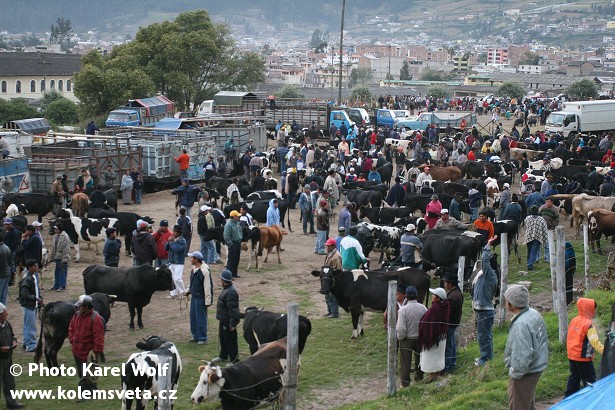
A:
[583,203]
[80,204]
[271,236]
[600,222]
[443,173]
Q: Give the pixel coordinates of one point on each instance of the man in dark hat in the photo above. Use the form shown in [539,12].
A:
[227,313]
[455,301]
[408,319]
[201,289]
[111,251]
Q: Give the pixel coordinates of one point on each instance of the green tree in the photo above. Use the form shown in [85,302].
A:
[359,75]
[360,93]
[437,92]
[404,73]
[62,112]
[431,75]
[290,91]
[16,109]
[61,31]
[530,58]
[319,41]
[510,90]
[50,97]
[584,89]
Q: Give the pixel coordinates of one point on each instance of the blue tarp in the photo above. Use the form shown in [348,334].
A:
[168,124]
[597,396]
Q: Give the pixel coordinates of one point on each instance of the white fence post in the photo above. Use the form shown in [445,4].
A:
[560,291]
[292,357]
[391,339]
[165,383]
[552,261]
[504,276]
[586,254]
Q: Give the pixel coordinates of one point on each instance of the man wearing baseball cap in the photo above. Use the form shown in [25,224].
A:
[227,313]
[333,260]
[111,250]
[201,289]
[143,245]
[407,329]
[411,248]
[448,222]
[162,236]
[233,236]
[505,198]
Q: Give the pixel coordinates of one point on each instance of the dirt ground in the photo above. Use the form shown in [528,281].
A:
[274,284]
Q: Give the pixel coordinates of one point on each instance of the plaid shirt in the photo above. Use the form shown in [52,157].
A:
[535,229]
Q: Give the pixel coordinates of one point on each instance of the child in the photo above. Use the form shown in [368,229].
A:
[138,186]
[581,342]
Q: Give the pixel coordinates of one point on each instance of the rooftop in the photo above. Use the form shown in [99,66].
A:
[37,64]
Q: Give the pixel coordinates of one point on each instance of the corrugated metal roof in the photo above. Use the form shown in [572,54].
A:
[38,64]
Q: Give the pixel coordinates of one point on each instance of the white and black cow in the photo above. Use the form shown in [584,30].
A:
[270,194]
[359,290]
[140,365]
[32,203]
[127,223]
[134,285]
[383,239]
[385,215]
[261,326]
[87,230]
[55,318]
[246,384]
[258,210]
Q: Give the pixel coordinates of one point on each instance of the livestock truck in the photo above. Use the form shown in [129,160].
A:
[143,112]
[441,119]
[582,116]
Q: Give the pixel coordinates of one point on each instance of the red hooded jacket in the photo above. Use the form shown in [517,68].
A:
[86,333]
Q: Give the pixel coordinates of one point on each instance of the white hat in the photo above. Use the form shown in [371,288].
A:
[205,208]
[36,224]
[209,167]
[410,228]
[444,211]
[439,292]
[506,185]
[351,170]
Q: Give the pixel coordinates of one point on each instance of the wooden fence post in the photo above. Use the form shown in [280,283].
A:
[552,259]
[560,290]
[391,339]
[504,276]
[461,264]
[586,254]
[292,357]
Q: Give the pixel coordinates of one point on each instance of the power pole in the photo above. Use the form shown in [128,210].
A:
[339,85]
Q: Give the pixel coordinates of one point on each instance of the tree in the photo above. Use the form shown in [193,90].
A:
[510,90]
[584,89]
[49,97]
[61,31]
[319,41]
[437,92]
[62,112]
[360,93]
[431,75]
[290,91]
[16,109]
[404,73]
[530,58]
[359,75]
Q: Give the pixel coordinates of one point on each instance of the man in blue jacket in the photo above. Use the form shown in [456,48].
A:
[482,303]
[202,296]
[273,213]
[189,195]
[176,247]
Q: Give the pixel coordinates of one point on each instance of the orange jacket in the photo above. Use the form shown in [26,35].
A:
[485,226]
[582,336]
[184,161]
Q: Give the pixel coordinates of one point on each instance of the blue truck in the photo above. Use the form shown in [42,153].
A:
[143,112]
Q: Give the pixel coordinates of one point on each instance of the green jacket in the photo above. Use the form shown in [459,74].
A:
[527,347]
[232,232]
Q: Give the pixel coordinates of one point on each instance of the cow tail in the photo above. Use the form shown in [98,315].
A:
[288,218]
[39,346]
[260,248]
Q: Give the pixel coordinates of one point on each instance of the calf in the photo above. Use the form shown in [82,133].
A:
[583,203]
[244,385]
[601,222]
[55,318]
[261,326]
[258,210]
[270,236]
[142,371]
[80,204]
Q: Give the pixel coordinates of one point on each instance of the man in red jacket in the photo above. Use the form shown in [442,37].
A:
[162,236]
[184,163]
[86,333]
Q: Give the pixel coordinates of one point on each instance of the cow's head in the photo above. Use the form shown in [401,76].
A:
[64,213]
[209,385]
[148,219]
[327,279]
[164,278]
[593,223]
[151,343]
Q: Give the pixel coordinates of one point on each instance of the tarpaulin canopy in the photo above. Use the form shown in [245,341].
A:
[34,126]
[168,124]
[233,97]
[597,396]
[153,105]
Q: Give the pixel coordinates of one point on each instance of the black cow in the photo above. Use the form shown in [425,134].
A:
[358,185]
[32,203]
[511,228]
[442,248]
[244,385]
[261,326]
[249,235]
[134,285]
[475,169]
[140,366]
[419,201]
[365,198]
[111,200]
[384,216]
[386,172]
[449,188]
[480,187]
[82,229]
[258,210]
[383,239]
[55,318]
[127,222]
[358,289]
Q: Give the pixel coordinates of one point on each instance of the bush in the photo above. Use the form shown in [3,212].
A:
[290,91]
[62,112]
[360,93]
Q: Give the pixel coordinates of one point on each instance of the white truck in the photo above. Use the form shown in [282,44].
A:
[582,116]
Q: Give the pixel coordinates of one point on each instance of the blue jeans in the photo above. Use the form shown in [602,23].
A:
[160,262]
[321,238]
[474,214]
[188,211]
[138,193]
[533,253]
[450,356]
[333,308]
[484,319]
[60,273]
[210,255]
[198,319]
[29,328]
[4,290]
[307,216]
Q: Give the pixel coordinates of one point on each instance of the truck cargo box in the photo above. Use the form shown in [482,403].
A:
[14,175]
